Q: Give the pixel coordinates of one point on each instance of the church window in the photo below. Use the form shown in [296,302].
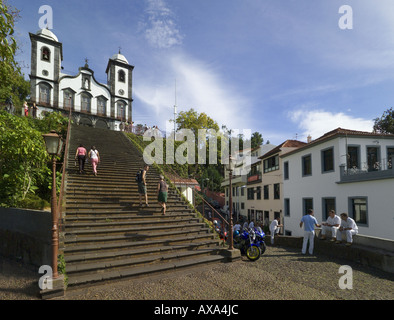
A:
[45,54]
[121,76]
[101,107]
[85,102]
[44,94]
[68,99]
[121,112]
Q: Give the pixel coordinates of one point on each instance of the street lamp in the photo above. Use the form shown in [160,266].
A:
[230,168]
[54,145]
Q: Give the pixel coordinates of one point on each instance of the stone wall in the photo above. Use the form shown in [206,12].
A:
[26,235]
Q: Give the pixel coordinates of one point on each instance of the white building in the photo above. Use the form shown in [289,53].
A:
[345,170]
[92,103]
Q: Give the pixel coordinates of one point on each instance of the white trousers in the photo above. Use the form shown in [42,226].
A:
[273,233]
[333,230]
[308,236]
[349,235]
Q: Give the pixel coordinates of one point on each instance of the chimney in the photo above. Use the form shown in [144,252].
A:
[309,139]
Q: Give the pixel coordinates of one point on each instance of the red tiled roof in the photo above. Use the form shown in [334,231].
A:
[285,144]
[340,132]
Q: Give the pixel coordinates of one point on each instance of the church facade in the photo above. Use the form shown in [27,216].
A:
[92,103]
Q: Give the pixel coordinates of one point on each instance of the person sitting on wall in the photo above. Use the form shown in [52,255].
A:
[332,224]
[349,227]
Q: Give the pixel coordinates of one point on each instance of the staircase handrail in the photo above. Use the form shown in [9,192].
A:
[65,160]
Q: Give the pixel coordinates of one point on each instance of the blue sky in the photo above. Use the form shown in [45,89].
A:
[283,68]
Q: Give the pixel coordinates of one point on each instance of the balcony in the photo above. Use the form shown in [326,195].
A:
[254,177]
[379,170]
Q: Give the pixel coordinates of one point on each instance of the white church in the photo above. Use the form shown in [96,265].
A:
[92,103]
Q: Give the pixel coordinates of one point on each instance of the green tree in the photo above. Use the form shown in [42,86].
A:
[24,163]
[12,82]
[257,140]
[385,124]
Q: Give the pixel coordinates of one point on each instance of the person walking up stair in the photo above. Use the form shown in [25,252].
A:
[142,185]
[94,158]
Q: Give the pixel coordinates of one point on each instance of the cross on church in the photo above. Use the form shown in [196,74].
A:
[86,63]
[120,49]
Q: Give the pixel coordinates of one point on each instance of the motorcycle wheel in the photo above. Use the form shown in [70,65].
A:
[253,253]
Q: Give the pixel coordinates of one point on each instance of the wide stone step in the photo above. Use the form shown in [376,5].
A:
[141,218]
[145,270]
[135,232]
[98,248]
[133,252]
[81,239]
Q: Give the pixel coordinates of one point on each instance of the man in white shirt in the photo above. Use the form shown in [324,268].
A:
[275,228]
[349,227]
[332,224]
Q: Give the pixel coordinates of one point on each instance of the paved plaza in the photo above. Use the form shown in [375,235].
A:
[280,274]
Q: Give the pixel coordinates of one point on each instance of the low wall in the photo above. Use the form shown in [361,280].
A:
[362,250]
[26,235]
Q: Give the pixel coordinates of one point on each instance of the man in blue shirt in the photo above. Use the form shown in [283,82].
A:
[309,222]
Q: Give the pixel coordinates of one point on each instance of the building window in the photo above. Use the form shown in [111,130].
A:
[271,164]
[358,210]
[287,207]
[250,195]
[390,157]
[328,160]
[242,205]
[307,203]
[44,94]
[85,102]
[373,158]
[353,157]
[121,111]
[307,165]
[286,170]
[266,190]
[328,205]
[101,107]
[242,191]
[45,54]
[258,193]
[121,76]
[68,99]
[276,191]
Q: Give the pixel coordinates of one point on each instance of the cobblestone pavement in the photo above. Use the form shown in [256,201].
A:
[280,274]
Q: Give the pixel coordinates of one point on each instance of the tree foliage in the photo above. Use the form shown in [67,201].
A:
[24,166]
[12,82]
[385,124]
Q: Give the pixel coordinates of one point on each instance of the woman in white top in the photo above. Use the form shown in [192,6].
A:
[94,158]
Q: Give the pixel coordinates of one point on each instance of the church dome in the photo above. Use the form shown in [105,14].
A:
[120,57]
[47,34]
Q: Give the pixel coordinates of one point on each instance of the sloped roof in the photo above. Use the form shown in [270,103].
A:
[285,144]
[340,132]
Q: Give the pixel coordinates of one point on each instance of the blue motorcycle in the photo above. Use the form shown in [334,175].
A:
[250,242]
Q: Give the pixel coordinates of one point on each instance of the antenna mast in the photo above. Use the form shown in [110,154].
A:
[175,112]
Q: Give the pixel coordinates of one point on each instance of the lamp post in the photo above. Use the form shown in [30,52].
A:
[54,145]
[230,168]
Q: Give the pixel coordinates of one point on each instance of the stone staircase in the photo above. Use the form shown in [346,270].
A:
[106,235]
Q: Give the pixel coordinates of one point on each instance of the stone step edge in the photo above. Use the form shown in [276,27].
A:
[140,271]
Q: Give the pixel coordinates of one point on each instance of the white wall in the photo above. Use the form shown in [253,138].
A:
[379,193]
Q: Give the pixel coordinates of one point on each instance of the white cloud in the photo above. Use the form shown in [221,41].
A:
[199,86]
[160,29]
[318,122]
